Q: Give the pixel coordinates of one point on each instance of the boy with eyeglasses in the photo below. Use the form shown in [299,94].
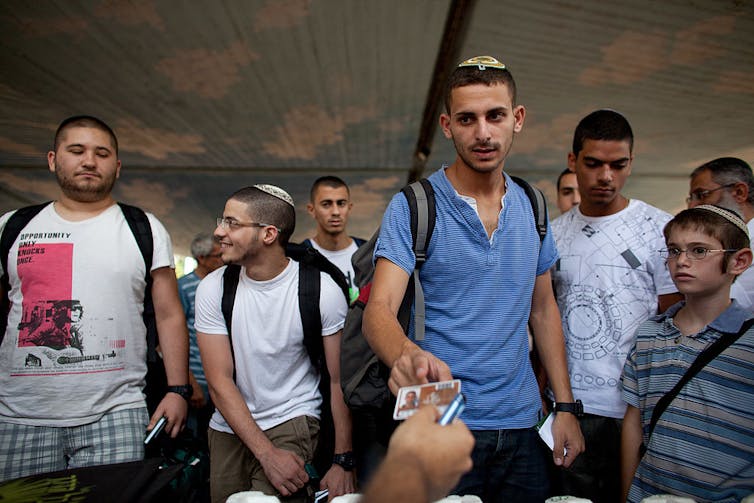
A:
[702,446]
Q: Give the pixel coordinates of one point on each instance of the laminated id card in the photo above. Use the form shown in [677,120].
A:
[439,394]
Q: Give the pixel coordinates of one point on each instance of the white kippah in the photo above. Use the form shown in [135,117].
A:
[729,215]
[276,191]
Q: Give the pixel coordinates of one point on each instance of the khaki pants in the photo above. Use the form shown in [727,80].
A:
[233,468]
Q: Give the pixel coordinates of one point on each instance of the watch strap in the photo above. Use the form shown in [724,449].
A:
[185,391]
[345,460]
[576,408]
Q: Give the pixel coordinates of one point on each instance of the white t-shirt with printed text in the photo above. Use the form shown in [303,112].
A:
[75,345]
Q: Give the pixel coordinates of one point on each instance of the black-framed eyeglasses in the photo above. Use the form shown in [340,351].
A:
[233,224]
[701,195]
[693,253]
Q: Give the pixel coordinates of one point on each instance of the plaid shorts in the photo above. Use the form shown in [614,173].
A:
[29,450]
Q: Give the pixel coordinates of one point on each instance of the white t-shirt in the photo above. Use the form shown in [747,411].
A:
[273,370]
[342,259]
[743,288]
[607,281]
[75,346]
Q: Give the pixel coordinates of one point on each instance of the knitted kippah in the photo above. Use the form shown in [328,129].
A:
[276,191]
[729,215]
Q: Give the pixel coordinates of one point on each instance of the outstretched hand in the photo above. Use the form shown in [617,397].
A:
[416,366]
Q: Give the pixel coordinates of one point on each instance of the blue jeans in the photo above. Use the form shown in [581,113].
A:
[509,466]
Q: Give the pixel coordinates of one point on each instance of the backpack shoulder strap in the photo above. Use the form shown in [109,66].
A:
[309,287]
[140,227]
[13,227]
[706,356]
[538,205]
[231,277]
[307,255]
[421,203]
[142,230]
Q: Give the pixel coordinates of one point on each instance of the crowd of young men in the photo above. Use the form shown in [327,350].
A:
[72,390]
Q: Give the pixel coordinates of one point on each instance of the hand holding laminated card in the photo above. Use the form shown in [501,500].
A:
[439,394]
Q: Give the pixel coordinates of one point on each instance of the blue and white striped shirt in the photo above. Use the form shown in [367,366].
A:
[478,298]
[703,445]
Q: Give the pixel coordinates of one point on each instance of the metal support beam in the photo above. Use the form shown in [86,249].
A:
[454,34]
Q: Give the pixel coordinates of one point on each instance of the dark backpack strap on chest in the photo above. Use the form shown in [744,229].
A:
[311,318]
[142,230]
[701,361]
[231,276]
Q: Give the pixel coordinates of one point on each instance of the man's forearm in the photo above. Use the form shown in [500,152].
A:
[228,399]
[547,332]
[173,337]
[383,332]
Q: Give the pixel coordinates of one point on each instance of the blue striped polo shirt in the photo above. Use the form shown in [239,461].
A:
[703,445]
[478,298]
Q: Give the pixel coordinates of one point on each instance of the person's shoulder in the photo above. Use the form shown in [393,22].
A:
[212,280]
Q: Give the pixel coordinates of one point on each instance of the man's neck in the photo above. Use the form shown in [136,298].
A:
[266,266]
[619,204]
[476,184]
[332,242]
[748,212]
[76,211]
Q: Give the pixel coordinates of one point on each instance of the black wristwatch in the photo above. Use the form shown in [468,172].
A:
[345,460]
[576,408]
[185,391]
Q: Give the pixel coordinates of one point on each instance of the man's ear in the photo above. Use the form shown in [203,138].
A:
[270,235]
[310,208]
[740,192]
[740,261]
[445,125]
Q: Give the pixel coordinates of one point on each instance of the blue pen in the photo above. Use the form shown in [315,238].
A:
[454,409]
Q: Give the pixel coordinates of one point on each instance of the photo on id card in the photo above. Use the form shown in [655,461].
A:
[439,394]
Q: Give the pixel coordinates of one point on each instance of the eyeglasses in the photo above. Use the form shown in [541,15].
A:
[232,224]
[695,253]
[701,195]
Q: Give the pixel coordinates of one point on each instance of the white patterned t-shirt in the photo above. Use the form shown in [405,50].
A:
[606,282]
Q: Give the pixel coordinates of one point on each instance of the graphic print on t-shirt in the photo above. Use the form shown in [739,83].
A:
[53,336]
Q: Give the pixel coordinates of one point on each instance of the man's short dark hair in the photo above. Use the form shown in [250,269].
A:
[607,125]
[268,209]
[328,181]
[561,175]
[725,170]
[469,75]
[84,121]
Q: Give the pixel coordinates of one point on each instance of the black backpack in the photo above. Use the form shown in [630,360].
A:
[311,263]
[138,222]
[363,376]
